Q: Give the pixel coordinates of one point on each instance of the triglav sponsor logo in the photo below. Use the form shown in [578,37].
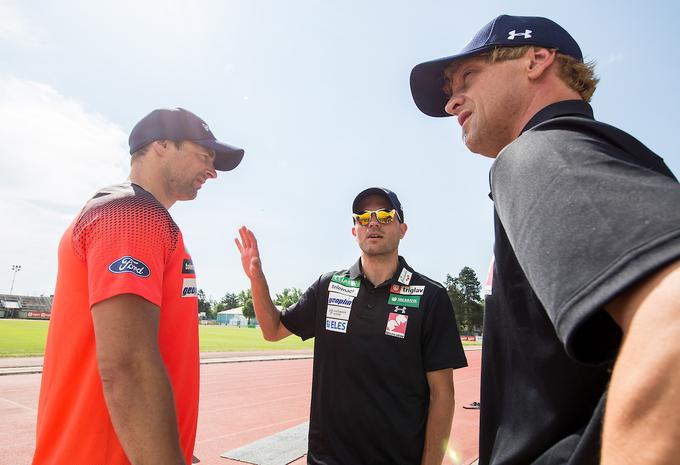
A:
[130,264]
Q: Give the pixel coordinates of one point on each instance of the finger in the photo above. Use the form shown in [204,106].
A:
[244,236]
[238,245]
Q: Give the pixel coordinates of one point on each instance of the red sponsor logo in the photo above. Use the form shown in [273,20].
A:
[396,325]
[395,288]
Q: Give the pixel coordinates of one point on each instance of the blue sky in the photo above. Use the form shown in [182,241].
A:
[316,92]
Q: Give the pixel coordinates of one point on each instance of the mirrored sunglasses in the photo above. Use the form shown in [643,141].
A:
[383,216]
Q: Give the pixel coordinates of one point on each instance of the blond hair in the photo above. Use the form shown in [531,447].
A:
[579,76]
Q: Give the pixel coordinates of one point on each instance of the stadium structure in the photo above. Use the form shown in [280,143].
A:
[25,306]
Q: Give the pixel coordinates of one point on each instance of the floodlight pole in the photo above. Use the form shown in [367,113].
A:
[16,269]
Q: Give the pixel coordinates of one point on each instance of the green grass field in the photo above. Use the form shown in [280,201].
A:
[23,338]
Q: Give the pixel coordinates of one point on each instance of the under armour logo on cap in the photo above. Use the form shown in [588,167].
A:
[427,79]
[205,126]
[526,34]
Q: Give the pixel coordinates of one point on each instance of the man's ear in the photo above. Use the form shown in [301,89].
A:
[354,231]
[402,230]
[539,61]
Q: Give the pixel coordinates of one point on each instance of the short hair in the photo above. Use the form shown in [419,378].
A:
[579,76]
[142,151]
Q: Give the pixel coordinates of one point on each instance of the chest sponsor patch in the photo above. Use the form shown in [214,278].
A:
[396,325]
[342,289]
[189,288]
[340,300]
[340,313]
[345,281]
[188,266]
[128,264]
[405,276]
[404,300]
[407,290]
[339,326]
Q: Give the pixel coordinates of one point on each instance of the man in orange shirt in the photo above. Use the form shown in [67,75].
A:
[121,374]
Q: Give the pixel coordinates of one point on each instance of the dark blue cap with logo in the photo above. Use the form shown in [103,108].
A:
[178,124]
[381,191]
[427,79]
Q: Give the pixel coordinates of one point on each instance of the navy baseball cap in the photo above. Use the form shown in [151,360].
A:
[178,124]
[388,194]
[427,79]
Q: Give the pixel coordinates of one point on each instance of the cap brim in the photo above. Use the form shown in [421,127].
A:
[427,84]
[227,157]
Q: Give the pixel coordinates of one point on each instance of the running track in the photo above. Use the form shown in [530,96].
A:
[240,403]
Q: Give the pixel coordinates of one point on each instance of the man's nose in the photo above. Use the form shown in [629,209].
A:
[212,173]
[453,104]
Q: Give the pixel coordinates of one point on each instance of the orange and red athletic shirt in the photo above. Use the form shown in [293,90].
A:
[122,242]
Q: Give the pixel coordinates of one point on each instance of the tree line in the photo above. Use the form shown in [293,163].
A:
[244,299]
[464,291]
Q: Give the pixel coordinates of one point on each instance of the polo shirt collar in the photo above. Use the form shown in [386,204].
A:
[563,108]
[355,272]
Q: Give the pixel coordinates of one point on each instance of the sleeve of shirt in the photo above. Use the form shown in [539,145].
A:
[125,245]
[442,347]
[300,318]
[585,224]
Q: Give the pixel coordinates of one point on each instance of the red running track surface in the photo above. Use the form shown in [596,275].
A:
[240,403]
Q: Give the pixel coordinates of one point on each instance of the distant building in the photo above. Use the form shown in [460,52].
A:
[234,317]
[24,306]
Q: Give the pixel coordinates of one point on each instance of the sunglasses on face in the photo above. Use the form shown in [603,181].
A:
[383,216]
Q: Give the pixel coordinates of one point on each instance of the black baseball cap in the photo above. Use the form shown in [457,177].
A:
[388,194]
[178,124]
[427,79]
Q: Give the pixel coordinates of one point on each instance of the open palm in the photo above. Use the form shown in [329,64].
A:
[250,255]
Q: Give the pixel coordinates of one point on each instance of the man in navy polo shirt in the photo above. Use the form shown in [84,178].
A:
[587,250]
[385,345]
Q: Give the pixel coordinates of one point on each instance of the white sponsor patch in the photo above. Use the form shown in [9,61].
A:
[339,300]
[405,276]
[341,313]
[407,290]
[339,288]
[189,288]
[339,326]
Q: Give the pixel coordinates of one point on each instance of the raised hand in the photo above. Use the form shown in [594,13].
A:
[250,255]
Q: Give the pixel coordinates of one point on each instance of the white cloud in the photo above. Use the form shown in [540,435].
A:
[53,156]
[14,27]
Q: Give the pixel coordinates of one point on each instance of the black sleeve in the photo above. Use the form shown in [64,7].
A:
[300,318]
[441,342]
[585,224]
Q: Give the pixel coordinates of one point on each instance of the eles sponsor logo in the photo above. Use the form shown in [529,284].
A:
[189,288]
[339,326]
[339,288]
[128,264]
[339,300]
[187,266]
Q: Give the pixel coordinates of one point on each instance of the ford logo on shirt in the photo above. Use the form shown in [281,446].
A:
[130,264]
